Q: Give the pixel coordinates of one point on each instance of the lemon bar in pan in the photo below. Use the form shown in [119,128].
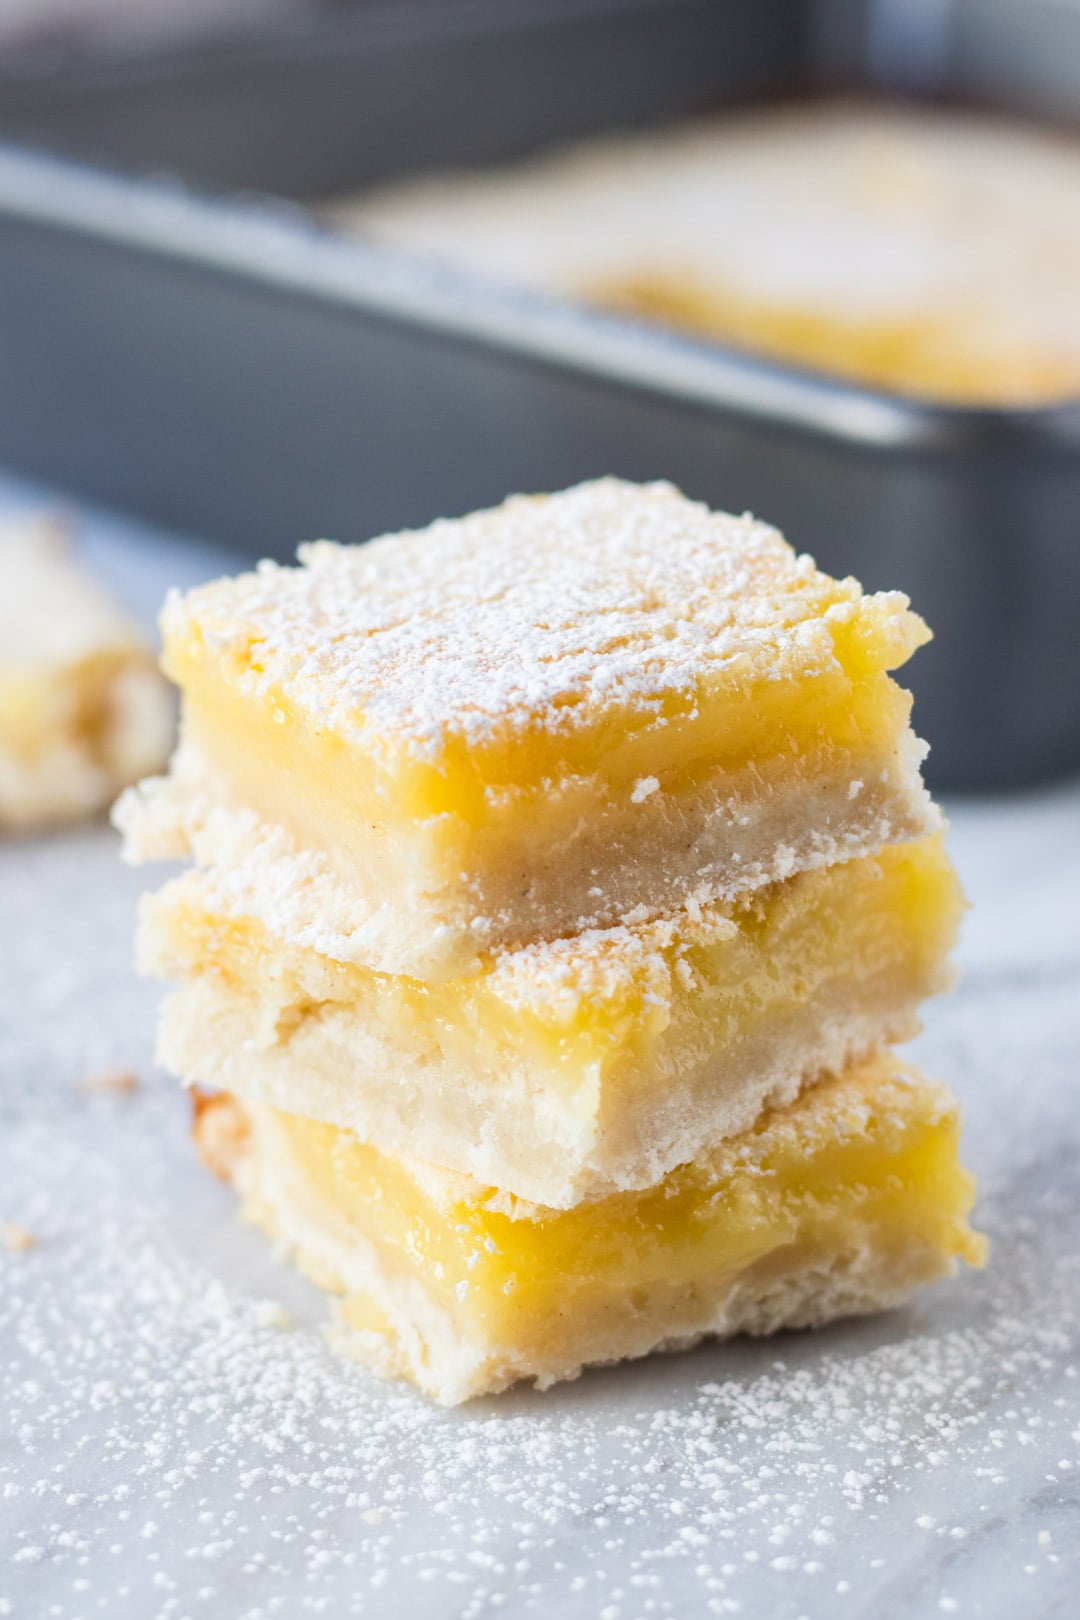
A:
[927,251]
[842,1203]
[83,709]
[574,1067]
[529,722]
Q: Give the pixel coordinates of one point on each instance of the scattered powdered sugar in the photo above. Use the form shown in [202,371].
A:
[546,611]
[179,1440]
[644,789]
[179,1449]
[552,978]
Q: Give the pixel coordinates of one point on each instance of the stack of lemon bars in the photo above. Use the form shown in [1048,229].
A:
[561,877]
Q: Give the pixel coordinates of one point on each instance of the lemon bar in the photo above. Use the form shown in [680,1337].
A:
[83,709]
[927,252]
[553,716]
[842,1203]
[574,1067]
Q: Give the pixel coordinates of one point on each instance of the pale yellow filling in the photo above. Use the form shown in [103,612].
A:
[867,1156]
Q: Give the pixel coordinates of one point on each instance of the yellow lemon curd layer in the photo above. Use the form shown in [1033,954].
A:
[620,1051]
[588,1000]
[265,743]
[867,1159]
[954,354]
[530,663]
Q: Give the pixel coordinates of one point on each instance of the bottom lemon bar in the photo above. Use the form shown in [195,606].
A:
[840,1204]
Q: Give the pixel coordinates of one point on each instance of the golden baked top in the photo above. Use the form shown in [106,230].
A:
[548,613]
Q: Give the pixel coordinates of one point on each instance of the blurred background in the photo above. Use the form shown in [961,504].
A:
[272,269]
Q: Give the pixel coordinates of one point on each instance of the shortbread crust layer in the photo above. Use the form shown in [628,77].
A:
[844,1202]
[570,1069]
[626,867]
[539,718]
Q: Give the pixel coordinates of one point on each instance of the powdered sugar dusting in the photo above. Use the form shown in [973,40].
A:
[546,611]
[602,964]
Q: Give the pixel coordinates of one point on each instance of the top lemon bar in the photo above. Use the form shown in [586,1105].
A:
[557,714]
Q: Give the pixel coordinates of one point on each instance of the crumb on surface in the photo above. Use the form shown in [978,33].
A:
[18,1239]
[270,1313]
[116,1082]
[220,1130]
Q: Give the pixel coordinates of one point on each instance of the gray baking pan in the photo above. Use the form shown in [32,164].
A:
[177,343]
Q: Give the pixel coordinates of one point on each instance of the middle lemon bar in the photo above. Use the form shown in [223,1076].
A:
[570,1068]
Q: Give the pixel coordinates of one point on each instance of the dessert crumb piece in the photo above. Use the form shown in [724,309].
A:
[644,789]
[17,1238]
[220,1131]
[270,1314]
[110,1082]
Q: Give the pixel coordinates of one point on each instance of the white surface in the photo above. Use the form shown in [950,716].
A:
[173,1446]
